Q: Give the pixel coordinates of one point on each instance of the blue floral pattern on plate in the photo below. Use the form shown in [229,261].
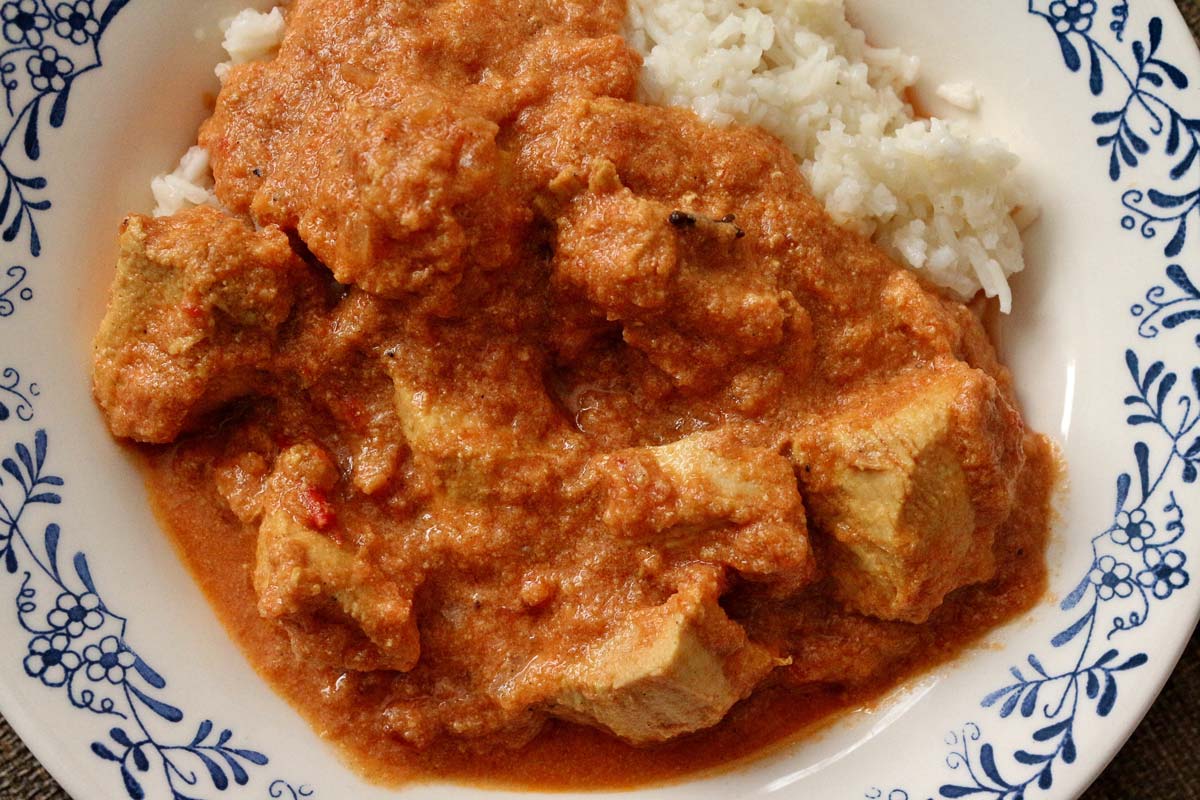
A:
[1141,116]
[1136,562]
[77,645]
[16,397]
[282,790]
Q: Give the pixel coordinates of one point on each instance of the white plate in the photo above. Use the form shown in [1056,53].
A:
[1107,294]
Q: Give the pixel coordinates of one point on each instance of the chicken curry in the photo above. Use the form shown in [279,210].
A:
[509,423]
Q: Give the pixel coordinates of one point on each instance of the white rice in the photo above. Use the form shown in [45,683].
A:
[250,36]
[189,185]
[927,191]
[960,94]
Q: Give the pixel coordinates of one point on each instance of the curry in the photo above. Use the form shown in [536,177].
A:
[510,424]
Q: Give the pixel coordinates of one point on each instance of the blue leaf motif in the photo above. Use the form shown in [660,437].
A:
[987,760]
[1173,73]
[1168,200]
[58,112]
[103,752]
[1123,482]
[1175,246]
[1029,704]
[240,776]
[1050,731]
[1073,631]
[1071,600]
[1070,54]
[164,710]
[253,756]
[1025,757]
[1141,452]
[215,773]
[1108,698]
[1068,749]
[1036,664]
[84,573]
[1180,278]
[990,699]
[1010,705]
[1095,76]
[202,732]
[1164,389]
[1133,662]
[1185,164]
[111,12]
[1152,374]
[32,148]
[131,784]
[51,539]
[148,674]
[11,468]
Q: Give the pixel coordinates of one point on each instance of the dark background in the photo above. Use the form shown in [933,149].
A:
[1160,762]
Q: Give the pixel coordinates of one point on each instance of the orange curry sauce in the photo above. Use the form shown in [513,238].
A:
[527,435]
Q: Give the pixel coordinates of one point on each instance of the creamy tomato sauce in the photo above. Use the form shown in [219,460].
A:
[524,434]
[565,756]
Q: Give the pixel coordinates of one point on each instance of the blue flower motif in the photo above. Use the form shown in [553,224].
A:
[1111,578]
[1164,573]
[22,22]
[51,660]
[108,660]
[49,70]
[93,668]
[1133,529]
[76,21]
[73,614]
[1072,15]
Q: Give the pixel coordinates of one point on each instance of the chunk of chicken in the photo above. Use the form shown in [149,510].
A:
[729,503]
[479,427]
[676,280]
[192,319]
[396,193]
[667,671]
[936,327]
[909,482]
[299,569]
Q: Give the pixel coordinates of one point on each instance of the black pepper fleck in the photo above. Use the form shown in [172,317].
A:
[682,219]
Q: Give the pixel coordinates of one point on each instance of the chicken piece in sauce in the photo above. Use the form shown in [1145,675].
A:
[192,319]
